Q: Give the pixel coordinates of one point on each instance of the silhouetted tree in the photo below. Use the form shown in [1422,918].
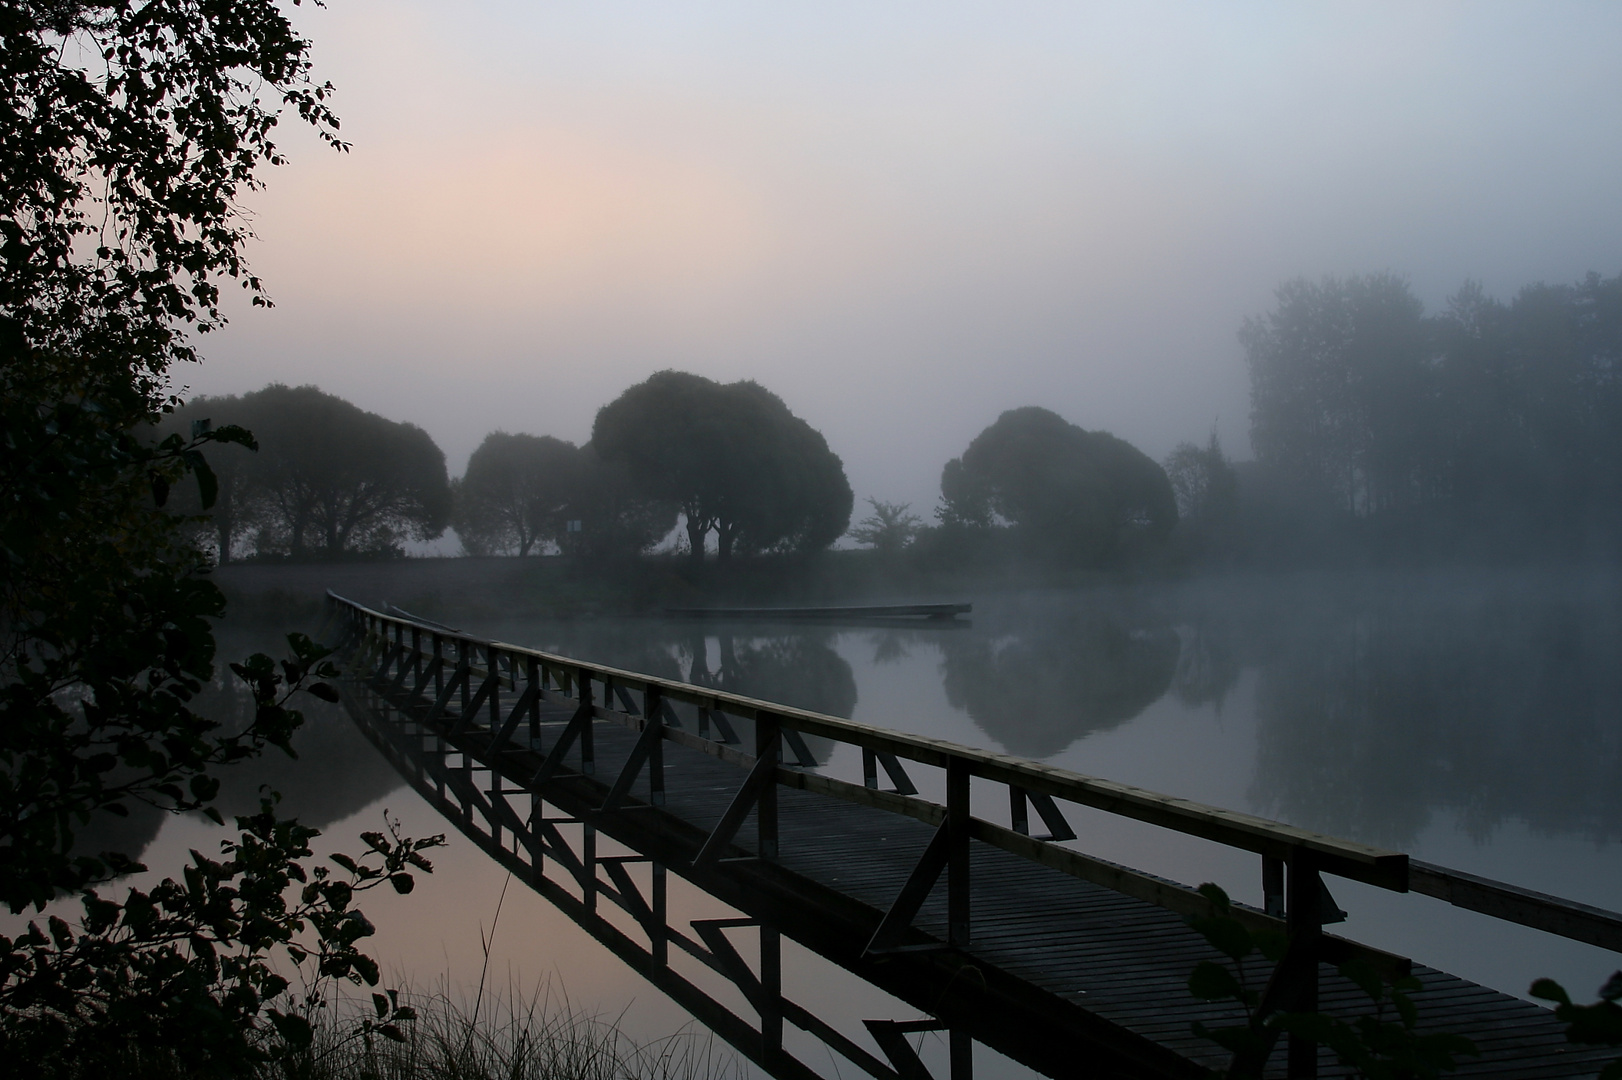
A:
[733,458]
[1206,486]
[889,529]
[515,493]
[1070,493]
[1505,419]
[1532,407]
[1340,391]
[333,478]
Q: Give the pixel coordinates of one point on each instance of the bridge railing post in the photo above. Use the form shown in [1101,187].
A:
[464,657]
[588,746]
[534,680]
[652,713]
[1304,919]
[957,859]
[1273,886]
[767,741]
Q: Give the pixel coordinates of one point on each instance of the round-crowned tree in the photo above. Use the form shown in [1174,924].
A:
[331,478]
[515,493]
[1069,493]
[733,458]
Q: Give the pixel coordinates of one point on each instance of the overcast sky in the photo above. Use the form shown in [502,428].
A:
[903,218]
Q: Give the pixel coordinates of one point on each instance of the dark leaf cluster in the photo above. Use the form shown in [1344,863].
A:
[181,979]
[1383,1044]
[128,132]
[1599,1024]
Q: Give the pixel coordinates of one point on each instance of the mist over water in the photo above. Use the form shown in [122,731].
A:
[1466,719]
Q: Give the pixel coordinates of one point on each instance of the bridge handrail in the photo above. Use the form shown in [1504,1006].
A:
[1272,839]
[1295,901]
[1275,841]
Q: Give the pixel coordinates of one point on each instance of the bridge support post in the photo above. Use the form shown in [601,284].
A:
[537,848]
[659,935]
[588,860]
[771,991]
[960,1047]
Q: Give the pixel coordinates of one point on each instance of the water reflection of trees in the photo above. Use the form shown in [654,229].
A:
[1374,716]
[336,773]
[1039,683]
[799,669]
[796,666]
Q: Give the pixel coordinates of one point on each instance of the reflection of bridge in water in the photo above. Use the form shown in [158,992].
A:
[1069,964]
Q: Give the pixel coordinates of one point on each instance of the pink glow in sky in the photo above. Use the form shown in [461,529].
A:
[903,218]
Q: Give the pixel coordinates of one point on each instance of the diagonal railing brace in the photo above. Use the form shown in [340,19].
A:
[763,772]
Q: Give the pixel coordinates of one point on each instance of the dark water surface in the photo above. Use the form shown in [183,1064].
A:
[1469,720]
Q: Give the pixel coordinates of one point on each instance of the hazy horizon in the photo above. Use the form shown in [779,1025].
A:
[903,221]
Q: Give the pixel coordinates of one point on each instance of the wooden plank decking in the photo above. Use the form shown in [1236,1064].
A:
[1069,976]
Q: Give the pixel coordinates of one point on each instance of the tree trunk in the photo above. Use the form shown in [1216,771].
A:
[696,532]
[224,525]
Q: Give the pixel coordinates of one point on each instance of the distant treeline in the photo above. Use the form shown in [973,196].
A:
[329,480]
[1489,428]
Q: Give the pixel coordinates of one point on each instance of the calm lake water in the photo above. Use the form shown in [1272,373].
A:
[1472,721]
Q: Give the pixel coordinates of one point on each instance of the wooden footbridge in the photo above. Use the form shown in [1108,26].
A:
[1070,964]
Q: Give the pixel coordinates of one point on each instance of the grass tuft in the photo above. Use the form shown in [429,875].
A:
[517,1037]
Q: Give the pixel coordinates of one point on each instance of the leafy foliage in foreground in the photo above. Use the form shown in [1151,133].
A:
[107,634]
[1380,1045]
[128,130]
[180,979]
[1599,1024]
